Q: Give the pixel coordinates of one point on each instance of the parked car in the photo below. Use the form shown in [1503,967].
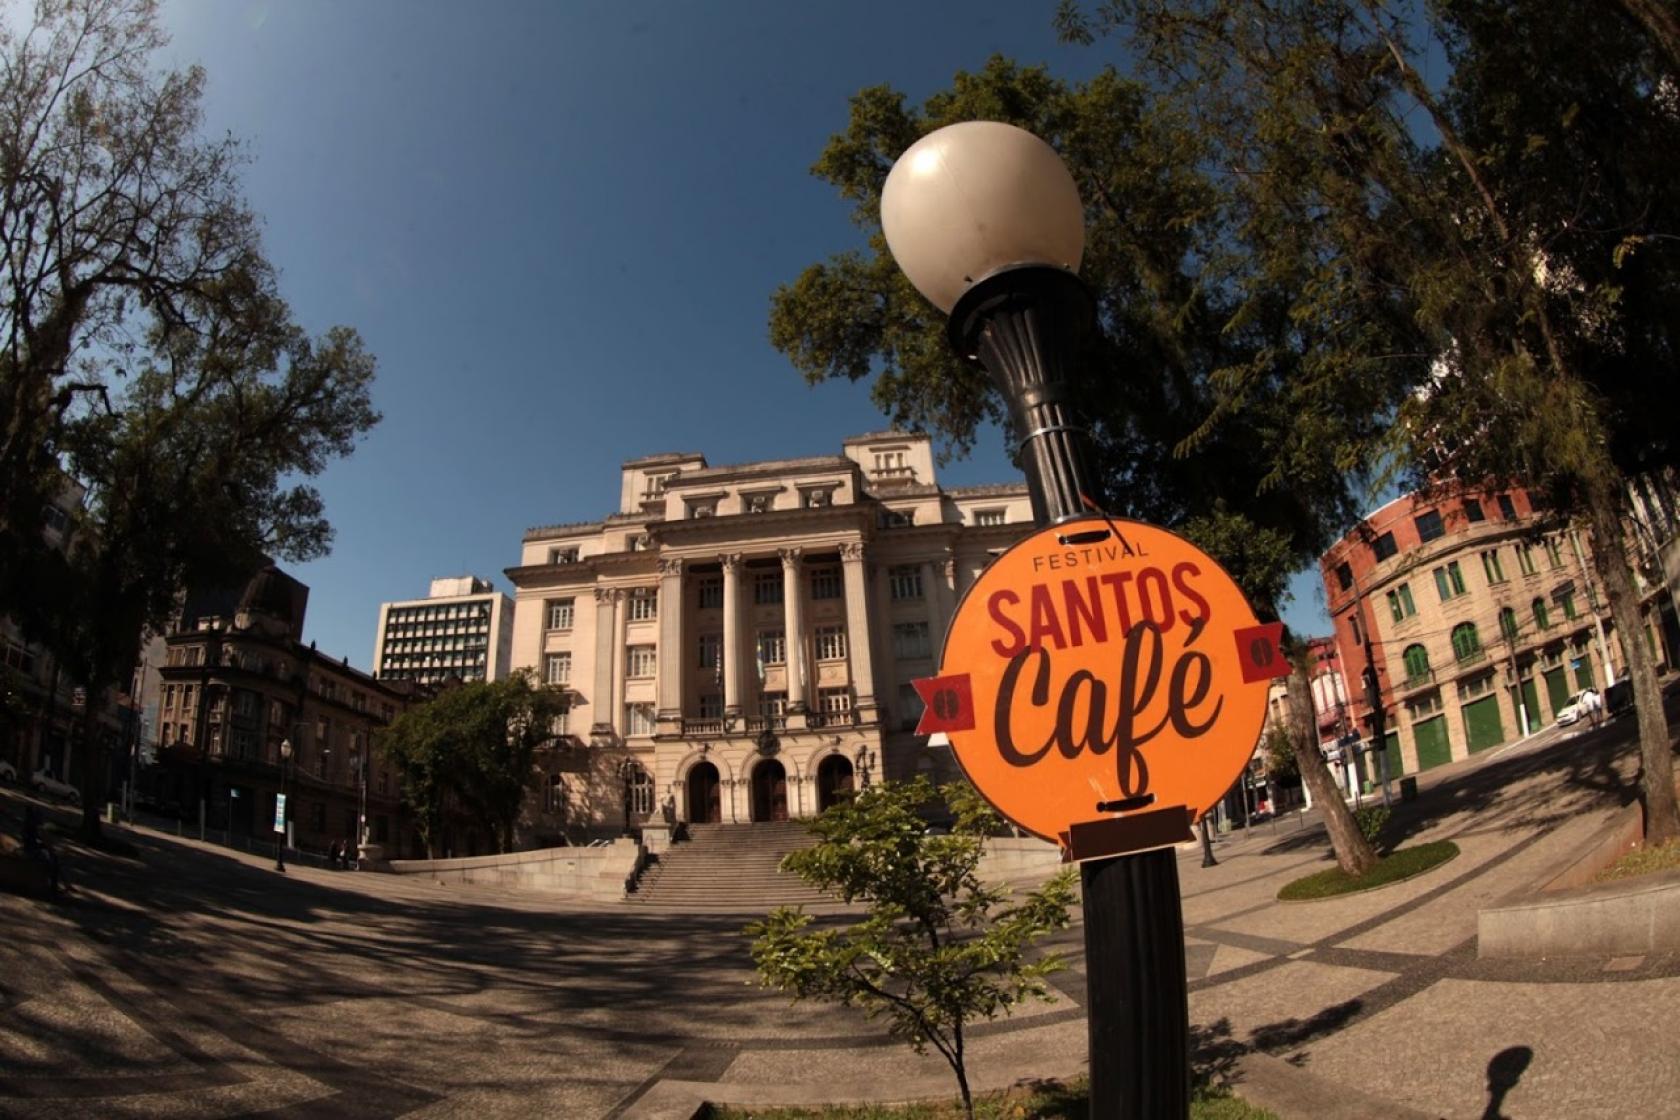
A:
[1578,707]
[43,782]
[8,772]
[1618,698]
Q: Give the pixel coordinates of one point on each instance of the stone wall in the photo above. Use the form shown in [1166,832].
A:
[598,873]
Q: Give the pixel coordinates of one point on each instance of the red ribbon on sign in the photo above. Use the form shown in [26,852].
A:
[1260,652]
[947,704]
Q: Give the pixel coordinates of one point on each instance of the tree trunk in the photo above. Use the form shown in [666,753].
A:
[1354,854]
[1610,557]
[1656,18]
[93,765]
[960,1066]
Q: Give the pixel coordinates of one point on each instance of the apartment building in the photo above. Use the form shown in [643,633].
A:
[738,641]
[1478,623]
[462,629]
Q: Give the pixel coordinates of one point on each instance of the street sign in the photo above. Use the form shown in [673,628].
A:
[1102,684]
[280,812]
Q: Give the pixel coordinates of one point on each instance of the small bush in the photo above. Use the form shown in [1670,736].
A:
[1372,819]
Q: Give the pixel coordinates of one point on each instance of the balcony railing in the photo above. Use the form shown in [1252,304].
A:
[1415,681]
[703,726]
[1471,656]
[831,719]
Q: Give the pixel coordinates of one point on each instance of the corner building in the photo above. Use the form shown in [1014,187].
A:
[739,641]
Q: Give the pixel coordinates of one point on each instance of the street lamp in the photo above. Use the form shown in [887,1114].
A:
[986,222]
[280,816]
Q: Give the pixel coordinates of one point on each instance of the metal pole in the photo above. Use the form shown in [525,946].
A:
[1023,326]
[1598,619]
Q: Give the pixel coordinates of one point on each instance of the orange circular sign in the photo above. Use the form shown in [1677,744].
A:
[1101,669]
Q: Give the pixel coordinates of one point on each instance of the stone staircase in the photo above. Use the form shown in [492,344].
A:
[728,868]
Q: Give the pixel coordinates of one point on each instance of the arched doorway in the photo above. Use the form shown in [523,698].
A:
[769,791]
[705,796]
[834,781]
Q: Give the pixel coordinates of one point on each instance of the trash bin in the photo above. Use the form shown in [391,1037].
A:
[1408,789]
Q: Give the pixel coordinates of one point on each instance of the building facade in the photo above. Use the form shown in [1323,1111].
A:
[462,629]
[235,682]
[738,641]
[1478,623]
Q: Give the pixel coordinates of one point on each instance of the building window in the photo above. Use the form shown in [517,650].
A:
[641,661]
[772,705]
[825,583]
[896,518]
[1470,689]
[767,589]
[1449,581]
[1473,511]
[905,582]
[641,790]
[644,605]
[834,701]
[701,507]
[554,794]
[1467,646]
[831,642]
[639,718]
[1491,566]
[772,648]
[1566,602]
[1429,525]
[1422,707]
[1554,553]
[889,462]
[1525,558]
[1344,576]
[1400,603]
[1507,508]
[1542,620]
[711,705]
[561,725]
[816,497]
[910,640]
[991,517]
[321,757]
[568,555]
[711,650]
[1508,624]
[560,614]
[909,707]
[557,668]
[758,503]
[1384,547]
[1416,659]
[709,590]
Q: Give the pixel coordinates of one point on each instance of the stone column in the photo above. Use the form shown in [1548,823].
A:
[731,635]
[858,631]
[621,620]
[604,723]
[672,653]
[792,614]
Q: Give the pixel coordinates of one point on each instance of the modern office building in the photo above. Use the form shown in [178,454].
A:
[462,629]
[739,641]
[236,681]
[1478,622]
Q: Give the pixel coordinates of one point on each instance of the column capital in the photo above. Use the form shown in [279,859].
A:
[790,556]
[671,566]
[608,594]
[730,561]
[851,550]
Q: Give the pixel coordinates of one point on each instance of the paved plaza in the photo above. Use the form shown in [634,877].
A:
[194,981]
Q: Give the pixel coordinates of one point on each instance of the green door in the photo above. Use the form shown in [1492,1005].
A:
[1391,748]
[1557,689]
[1530,697]
[1482,728]
[1433,749]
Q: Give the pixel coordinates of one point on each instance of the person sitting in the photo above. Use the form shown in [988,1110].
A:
[37,849]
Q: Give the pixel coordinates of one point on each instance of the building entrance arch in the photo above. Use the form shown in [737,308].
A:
[769,791]
[705,794]
[834,781]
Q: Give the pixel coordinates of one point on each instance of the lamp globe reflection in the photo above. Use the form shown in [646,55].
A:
[974,198]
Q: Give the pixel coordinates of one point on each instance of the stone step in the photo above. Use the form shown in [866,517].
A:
[729,866]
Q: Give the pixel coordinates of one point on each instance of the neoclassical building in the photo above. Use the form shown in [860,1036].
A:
[738,641]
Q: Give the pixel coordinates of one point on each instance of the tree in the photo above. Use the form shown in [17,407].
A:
[1524,223]
[145,354]
[475,743]
[1227,395]
[938,948]
[1278,751]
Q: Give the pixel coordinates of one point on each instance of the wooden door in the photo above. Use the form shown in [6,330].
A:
[705,795]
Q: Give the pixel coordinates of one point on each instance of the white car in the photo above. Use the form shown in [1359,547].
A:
[1578,707]
[8,772]
[43,782]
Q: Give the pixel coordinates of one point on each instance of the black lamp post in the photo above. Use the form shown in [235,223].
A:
[280,817]
[986,222]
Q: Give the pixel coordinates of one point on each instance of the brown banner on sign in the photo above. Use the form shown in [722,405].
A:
[947,703]
[1117,836]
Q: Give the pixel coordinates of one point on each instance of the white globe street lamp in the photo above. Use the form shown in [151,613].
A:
[986,222]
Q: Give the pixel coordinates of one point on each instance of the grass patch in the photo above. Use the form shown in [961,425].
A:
[1392,868]
[1041,1101]
[1643,861]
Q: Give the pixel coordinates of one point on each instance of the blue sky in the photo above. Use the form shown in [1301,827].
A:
[558,225]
